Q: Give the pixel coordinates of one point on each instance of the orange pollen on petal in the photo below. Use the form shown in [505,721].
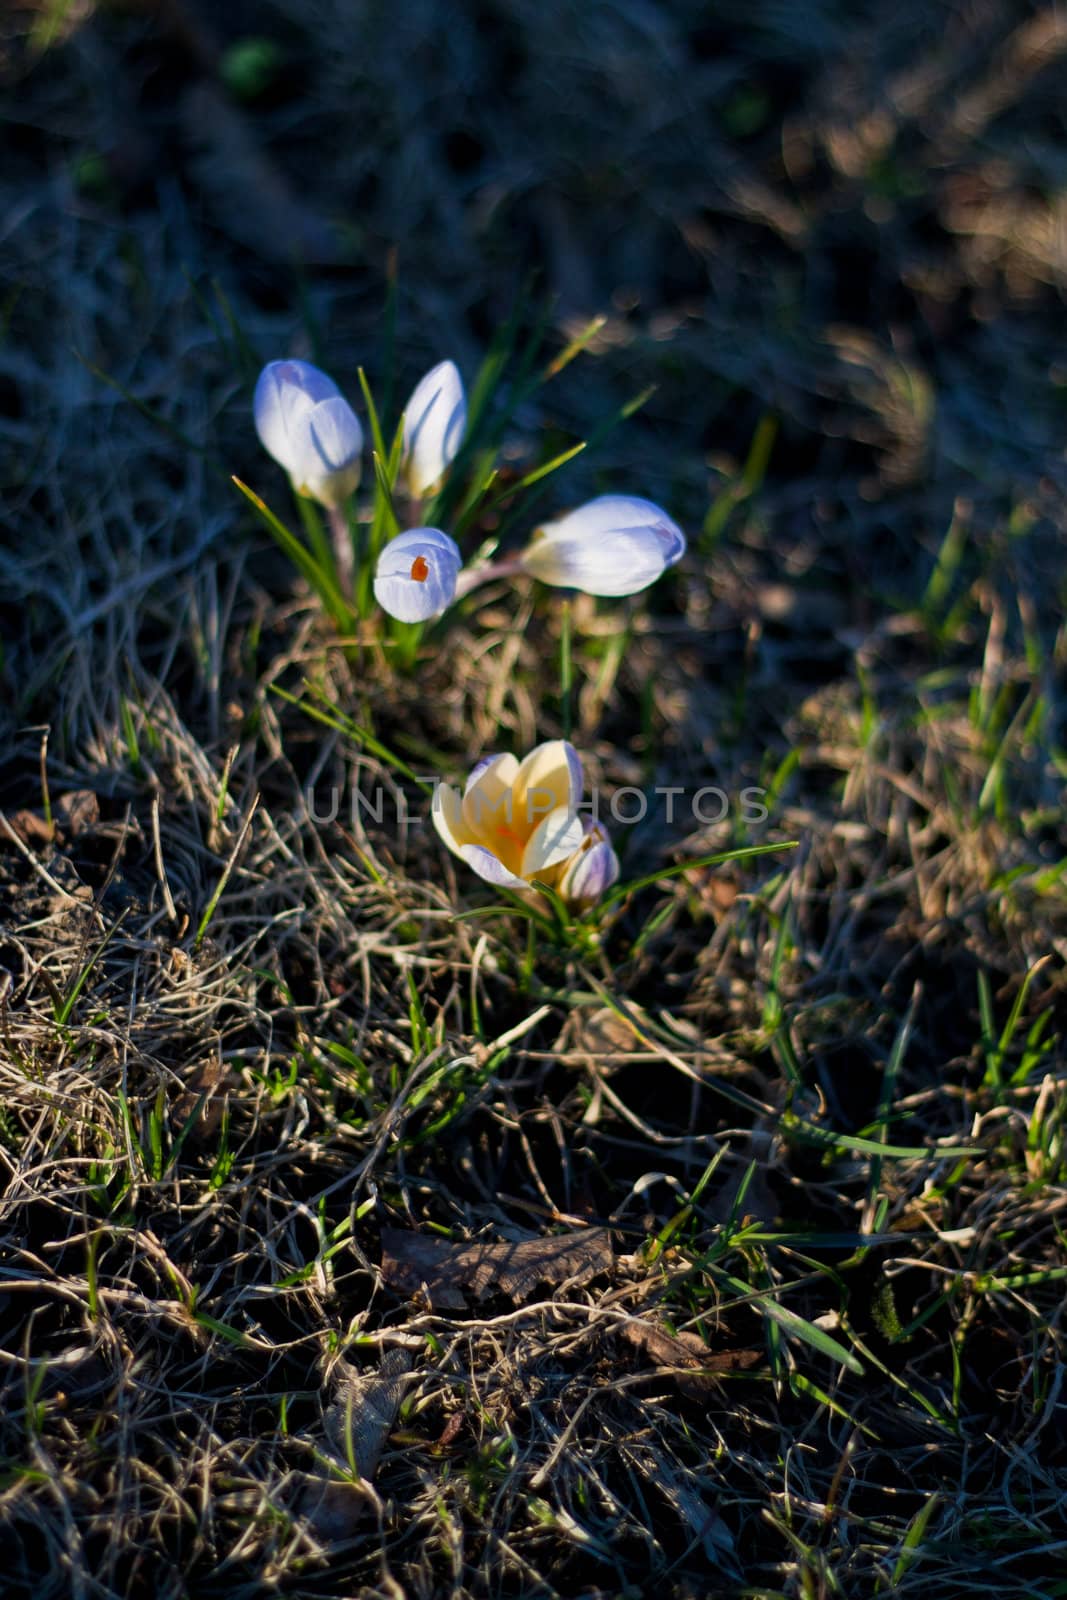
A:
[419,570]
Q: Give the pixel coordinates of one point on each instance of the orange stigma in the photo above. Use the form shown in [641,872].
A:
[419,570]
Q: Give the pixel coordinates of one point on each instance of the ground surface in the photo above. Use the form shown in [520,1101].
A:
[765,1355]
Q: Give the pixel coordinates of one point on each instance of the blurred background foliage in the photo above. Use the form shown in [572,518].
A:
[848,214]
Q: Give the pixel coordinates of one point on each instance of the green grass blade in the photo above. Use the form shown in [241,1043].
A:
[798,1326]
[746,853]
[62,1014]
[331,718]
[321,580]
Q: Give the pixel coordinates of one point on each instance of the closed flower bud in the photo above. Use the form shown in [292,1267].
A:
[309,428]
[612,546]
[434,420]
[591,871]
[416,574]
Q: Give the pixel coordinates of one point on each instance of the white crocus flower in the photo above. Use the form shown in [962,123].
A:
[309,428]
[416,574]
[612,546]
[517,821]
[434,420]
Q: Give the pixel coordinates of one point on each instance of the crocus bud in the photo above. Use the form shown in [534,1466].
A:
[416,574]
[612,546]
[516,821]
[591,871]
[309,428]
[434,420]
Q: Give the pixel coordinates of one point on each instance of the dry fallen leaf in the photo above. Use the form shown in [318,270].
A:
[451,1431]
[688,1505]
[74,813]
[356,1426]
[364,1409]
[31,829]
[77,812]
[603,1032]
[205,1089]
[413,1262]
[696,1367]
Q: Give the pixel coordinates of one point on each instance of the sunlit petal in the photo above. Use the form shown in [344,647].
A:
[550,776]
[483,765]
[556,837]
[488,801]
[328,440]
[284,391]
[304,422]
[447,814]
[615,545]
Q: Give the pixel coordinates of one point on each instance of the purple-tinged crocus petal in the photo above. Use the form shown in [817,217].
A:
[490,867]
[591,871]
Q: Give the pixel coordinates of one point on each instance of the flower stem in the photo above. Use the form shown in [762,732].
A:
[344,559]
[471,577]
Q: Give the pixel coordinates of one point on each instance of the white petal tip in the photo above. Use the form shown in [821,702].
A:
[435,419]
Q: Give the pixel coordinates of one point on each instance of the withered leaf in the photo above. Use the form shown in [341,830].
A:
[603,1032]
[679,1490]
[31,828]
[696,1367]
[74,813]
[412,1262]
[202,1098]
[364,1410]
[356,1426]
[451,1431]
[78,811]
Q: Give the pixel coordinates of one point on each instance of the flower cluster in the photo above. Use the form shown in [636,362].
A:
[518,823]
[615,545]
